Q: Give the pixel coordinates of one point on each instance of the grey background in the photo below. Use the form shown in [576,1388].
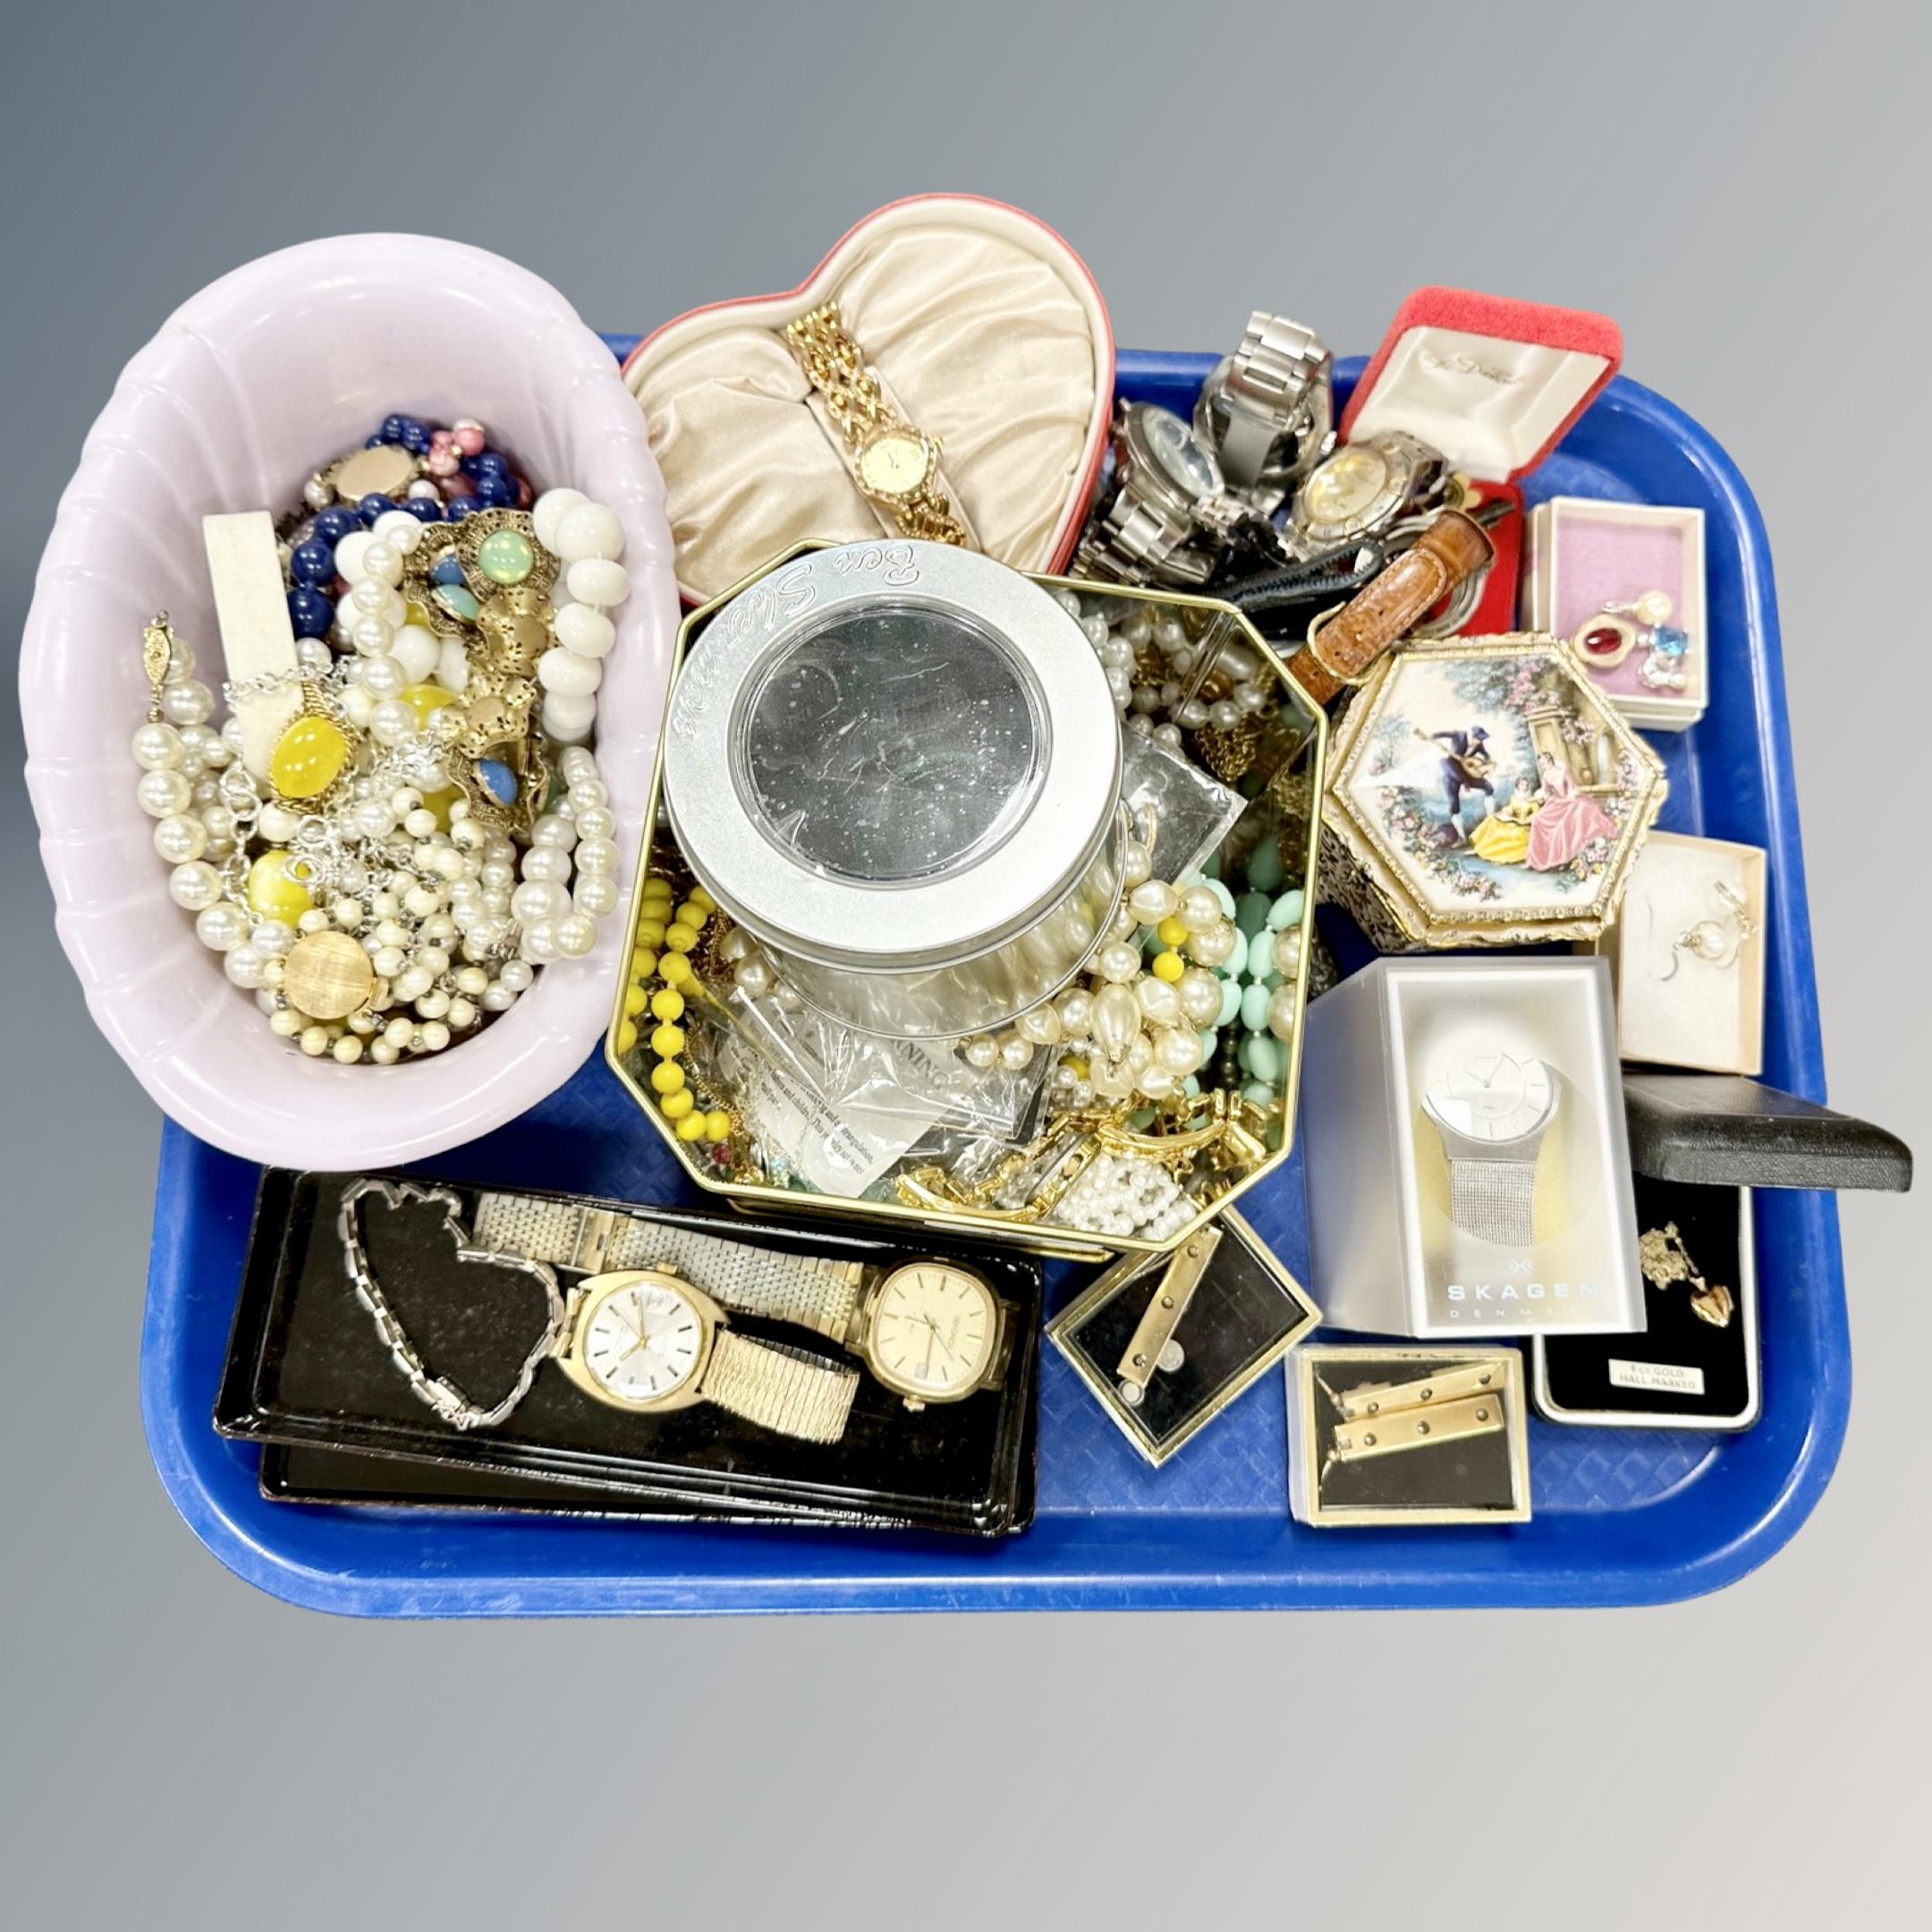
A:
[1746,194]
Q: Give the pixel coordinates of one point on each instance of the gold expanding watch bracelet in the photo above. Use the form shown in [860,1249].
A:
[895,465]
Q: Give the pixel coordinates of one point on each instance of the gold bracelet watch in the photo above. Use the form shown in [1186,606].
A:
[895,465]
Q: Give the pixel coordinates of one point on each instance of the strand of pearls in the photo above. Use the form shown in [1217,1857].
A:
[1122,632]
[1119,1194]
[559,921]
[587,540]
[390,654]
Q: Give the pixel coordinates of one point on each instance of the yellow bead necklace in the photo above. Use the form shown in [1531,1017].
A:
[666,935]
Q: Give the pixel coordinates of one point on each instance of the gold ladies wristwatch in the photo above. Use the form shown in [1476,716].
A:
[895,465]
[639,1338]
[930,1330]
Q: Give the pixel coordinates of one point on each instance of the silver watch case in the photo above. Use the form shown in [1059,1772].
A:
[1267,410]
[1146,529]
[1416,474]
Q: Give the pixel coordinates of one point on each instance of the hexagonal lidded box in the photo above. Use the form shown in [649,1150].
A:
[1481,792]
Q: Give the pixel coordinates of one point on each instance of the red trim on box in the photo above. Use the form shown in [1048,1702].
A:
[1507,319]
[1496,608]
[1076,517]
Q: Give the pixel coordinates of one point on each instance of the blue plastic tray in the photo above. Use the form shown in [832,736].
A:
[1621,1516]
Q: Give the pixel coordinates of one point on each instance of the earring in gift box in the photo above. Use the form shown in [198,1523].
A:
[1718,942]
[1666,1261]
[1380,1419]
[1608,636]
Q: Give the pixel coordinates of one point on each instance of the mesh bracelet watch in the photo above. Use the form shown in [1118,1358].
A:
[640,1339]
[930,1330]
[895,465]
[1492,1111]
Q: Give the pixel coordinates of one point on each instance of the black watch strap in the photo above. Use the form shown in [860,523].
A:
[1273,600]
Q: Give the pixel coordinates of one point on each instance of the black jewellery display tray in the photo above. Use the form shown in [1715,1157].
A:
[306,1374]
[1680,1371]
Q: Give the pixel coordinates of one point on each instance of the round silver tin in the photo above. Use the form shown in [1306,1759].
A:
[899,766]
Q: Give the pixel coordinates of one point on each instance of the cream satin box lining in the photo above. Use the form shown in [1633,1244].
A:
[983,329]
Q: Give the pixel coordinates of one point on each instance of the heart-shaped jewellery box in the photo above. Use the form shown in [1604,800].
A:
[983,331]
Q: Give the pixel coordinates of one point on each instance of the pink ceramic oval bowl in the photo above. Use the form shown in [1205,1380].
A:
[247,388]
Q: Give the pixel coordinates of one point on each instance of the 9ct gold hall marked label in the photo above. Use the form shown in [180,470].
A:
[1670,1378]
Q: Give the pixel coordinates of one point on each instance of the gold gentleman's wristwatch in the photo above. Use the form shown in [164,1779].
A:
[930,1330]
[896,465]
[639,1338]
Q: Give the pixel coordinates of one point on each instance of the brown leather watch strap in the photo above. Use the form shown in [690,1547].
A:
[1340,650]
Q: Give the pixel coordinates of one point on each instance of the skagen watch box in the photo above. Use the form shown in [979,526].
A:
[1468,1170]
[464,1315]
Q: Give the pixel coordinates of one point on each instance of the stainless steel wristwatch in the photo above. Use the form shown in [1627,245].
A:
[1166,515]
[1492,1111]
[1266,411]
[1361,488]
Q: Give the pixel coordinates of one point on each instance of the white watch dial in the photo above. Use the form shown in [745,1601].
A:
[642,1343]
[1182,458]
[933,1328]
[1493,1097]
[1345,486]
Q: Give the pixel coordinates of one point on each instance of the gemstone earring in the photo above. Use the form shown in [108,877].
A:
[1604,639]
[1667,643]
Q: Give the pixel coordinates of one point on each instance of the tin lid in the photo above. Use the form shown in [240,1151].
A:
[1493,383]
[885,756]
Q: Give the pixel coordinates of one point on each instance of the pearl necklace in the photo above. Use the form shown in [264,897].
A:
[1131,637]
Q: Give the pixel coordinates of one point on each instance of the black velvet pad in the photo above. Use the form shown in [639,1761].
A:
[1576,1380]
[306,1368]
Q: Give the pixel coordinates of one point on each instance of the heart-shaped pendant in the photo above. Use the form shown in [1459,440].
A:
[439,1392]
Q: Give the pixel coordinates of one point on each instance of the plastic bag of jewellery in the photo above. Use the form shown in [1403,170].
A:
[973,1163]
[853,1070]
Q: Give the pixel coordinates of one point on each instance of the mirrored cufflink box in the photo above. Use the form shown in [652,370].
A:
[1468,1170]
[1388,1437]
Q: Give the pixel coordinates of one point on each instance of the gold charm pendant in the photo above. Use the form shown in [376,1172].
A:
[1665,1261]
